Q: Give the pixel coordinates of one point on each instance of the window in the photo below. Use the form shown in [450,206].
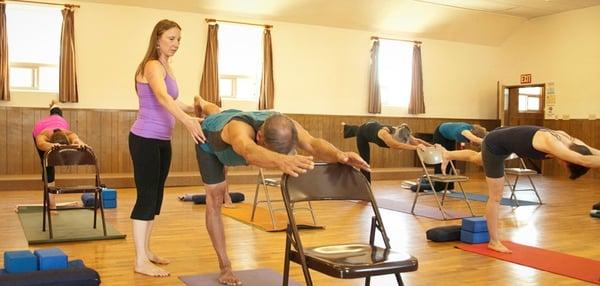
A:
[240,61]
[395,72]
[33,46]
[529,99]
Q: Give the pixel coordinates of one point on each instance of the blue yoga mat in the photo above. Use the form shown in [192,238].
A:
[484,198]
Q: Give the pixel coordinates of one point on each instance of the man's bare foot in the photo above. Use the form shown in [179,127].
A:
[157,259]
[198,106]
[498,246]
[227,277]
[227,202]
[147,268]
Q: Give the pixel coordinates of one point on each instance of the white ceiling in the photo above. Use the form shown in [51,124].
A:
[486,22]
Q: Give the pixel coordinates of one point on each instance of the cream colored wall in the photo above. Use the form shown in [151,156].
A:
[563,49]
[318,70]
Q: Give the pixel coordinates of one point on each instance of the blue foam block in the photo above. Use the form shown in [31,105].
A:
[77,263]
[51,258]
[20,261]
[474,224]
[109,204]
[109,194]
[474,237]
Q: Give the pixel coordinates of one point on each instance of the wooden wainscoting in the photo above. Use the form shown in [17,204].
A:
[107,132]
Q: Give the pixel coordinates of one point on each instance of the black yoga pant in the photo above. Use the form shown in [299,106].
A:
[362,144]
[151,161]
[49,170]
[450,145]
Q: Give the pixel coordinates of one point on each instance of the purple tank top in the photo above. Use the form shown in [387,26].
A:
[153,120]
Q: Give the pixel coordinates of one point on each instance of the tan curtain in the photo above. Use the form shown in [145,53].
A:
[374,94]
[209,85]
[4,80]
[267,86]
[67,88]
[417,100]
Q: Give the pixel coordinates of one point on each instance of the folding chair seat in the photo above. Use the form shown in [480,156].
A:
[264,183]
[517,172]
[433,156]
[345,260]
[72,156]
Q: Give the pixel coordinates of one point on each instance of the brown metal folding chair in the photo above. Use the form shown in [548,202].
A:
[344,260]
[72,156]
[517,172]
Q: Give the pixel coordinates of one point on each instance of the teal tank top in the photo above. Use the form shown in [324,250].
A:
[213,125]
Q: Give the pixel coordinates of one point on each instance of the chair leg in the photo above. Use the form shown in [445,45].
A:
[286,262]
[96,202]
[437,200]
[255,202]
[412,210]
[399,279]
[44,210]
[49,217]
[368,281]
[466,199]
[102,214]
[269,205]
[312,213]
[513,190]
[534,189]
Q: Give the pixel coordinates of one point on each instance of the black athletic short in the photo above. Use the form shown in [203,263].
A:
[493,164]
[211,169]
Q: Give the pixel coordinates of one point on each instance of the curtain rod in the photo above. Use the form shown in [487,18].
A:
[45,3]
[377,38]
[208,20]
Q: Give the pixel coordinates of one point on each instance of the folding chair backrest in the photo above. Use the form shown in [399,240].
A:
[327,182]
[430,155]
[69,155]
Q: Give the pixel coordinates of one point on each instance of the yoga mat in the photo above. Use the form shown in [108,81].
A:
[420,210]
[71,225]
[262,219]
[254,277]
[484,198]
[555,262]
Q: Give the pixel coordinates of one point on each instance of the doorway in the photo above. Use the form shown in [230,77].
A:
[524,105]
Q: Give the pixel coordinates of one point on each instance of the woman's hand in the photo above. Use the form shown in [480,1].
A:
[193,126]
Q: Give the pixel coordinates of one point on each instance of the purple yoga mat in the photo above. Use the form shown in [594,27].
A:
[420,210]
[253,277]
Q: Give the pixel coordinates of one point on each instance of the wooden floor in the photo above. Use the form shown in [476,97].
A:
[562,224]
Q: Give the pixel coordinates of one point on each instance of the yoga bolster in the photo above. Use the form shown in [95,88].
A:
[235,197]
[444,233]
[76,276]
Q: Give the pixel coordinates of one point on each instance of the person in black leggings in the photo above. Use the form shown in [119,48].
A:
[533,142]
[448,134]
[386,136]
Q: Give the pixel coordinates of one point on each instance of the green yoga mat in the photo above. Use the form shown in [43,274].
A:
[68,225]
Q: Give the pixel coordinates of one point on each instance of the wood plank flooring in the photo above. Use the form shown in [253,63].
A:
[562,224]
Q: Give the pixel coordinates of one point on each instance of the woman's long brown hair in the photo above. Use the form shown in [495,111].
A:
[152,52]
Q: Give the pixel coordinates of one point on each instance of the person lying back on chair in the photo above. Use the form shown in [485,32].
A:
[50,132]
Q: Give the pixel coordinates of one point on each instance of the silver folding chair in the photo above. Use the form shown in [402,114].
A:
[517,172]
[433,156]
[264,184]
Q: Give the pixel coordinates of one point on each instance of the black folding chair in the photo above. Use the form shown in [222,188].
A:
[72,156]
[348,260]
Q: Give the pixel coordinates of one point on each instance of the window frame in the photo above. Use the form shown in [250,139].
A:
[35,76]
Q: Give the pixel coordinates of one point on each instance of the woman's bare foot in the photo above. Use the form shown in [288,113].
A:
[157,259]
[147,268]
[227,277]
[498,246]
[53,103]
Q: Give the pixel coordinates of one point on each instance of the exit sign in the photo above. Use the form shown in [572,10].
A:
[525,78]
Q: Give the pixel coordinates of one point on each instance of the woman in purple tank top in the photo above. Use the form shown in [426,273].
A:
[150,138]
[526,141]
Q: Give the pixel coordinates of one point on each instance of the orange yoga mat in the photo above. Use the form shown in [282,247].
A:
[262,218]
[555,262]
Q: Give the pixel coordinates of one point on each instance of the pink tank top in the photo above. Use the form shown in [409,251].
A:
[50,122]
